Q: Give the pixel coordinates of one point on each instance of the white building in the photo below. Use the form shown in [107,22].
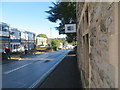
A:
[61,46]
[31,40]
[16,39]
[4,36]
[24,40]
[40,41]
[27,40]
[15,36]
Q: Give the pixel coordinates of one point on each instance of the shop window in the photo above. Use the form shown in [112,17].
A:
[11,46]
[14,46]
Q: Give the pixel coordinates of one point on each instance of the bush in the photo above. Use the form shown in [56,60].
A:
[55,44]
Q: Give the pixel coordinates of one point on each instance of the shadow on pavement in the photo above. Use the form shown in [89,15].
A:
[66,74]
[9,61]
[47,61]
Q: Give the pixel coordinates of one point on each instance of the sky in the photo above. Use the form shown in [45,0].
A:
[29,16]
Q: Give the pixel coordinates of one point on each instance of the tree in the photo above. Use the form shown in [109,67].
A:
[42,35]
[65,12]
[55,44]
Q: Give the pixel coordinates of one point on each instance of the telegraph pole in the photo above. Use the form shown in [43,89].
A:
[50,32]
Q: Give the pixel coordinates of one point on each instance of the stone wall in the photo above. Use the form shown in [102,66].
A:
[119,44]
[97,34]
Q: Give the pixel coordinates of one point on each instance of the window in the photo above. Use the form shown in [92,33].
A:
[5,28]
[0,27]
[14,46]
[11,46]
[12,33]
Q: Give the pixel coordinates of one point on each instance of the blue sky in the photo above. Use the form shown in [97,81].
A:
[29,16]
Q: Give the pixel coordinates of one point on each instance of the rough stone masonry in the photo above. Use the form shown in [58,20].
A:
[97,49]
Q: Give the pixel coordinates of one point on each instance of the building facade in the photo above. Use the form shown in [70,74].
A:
[31,40]
[4,36]
[97,47]
[23,41]
[15,39]
[40,41]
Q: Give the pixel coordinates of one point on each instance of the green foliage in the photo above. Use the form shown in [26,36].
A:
[42,35]
[65,12]
[71,38]
[55,44]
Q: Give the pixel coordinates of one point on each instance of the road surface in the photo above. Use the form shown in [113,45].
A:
[31,72]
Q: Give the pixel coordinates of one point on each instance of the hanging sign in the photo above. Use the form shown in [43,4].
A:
[70,28]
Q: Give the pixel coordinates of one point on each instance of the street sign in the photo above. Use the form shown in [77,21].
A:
[70,28]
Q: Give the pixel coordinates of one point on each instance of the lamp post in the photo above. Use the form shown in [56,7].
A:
[50,32]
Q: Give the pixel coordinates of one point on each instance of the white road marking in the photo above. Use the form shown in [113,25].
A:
[10,71]
[7,72]
[61,57]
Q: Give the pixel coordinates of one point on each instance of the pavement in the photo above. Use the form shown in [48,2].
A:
[66,74]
